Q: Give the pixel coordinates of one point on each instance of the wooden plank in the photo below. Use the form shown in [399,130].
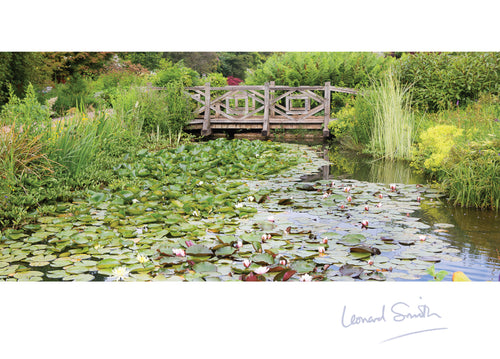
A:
[326,131]
[265,125]
[206,131]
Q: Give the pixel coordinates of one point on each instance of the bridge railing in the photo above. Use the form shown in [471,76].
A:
[262,105]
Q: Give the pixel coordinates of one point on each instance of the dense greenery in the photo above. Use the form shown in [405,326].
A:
[442,80]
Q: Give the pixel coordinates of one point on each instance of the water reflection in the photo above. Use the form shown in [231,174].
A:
[476,233]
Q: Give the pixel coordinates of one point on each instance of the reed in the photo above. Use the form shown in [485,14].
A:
[392,132]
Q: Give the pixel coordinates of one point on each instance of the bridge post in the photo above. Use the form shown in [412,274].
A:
[265,125]
[206,129]
[326,131]
[273,113]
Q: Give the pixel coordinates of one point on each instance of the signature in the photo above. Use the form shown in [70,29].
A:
[398,312]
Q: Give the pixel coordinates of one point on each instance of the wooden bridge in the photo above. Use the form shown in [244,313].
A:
[262,107]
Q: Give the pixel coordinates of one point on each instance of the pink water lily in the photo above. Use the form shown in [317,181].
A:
[321,249]
[271,219]
[380,196]
[189,243]
[370,262]
[364,224]
[324,240]
[261,270]
[366,208]
[349,198]
[247,263]
[347,189]
[283,262]
[422,238]
[393,187]
[239,244]
[179,252]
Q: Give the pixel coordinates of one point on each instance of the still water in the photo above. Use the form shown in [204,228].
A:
[475,233]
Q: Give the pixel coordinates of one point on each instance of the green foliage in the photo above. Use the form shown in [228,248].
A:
[26,111]
[353,124]
[18,69]
[438,276]
[442,80]
[433,149]
[216,79]
[392,132]
[474,179]
[75,93]
[237,63]
[149,60]
[178,73]
[342,69]
[166,112]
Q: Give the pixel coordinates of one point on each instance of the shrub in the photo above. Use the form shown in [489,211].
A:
[75,93]
[178,73]
[433,149]
[443,80]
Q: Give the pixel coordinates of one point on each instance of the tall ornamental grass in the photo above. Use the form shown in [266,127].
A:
[393,120]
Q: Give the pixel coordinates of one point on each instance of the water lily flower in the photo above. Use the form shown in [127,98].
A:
[263,237]
[332,184]
[196,213]
[342,206]
[321,249]
[418,199]
[239,205]
[366,208]
[135,201]
[120,273]
[326,195]
[179,252]
[305,278]
[269,236]
[247,263]
[422,238]
[189,243]
[251,198]
[271,219]
[261,270]
[141,258]
[283,262]
[324,240]
[239,244]
[139,231]
[364,224]
[370,262]
[393,187]
[199,183]
[347,189]
[349,198]
[380,196]
[379,205]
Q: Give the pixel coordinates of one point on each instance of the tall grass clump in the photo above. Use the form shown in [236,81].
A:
[392,119]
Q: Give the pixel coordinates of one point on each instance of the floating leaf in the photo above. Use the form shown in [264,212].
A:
[350,270]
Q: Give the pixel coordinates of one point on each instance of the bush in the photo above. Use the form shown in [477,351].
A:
[442,80]
[433,149]
[353,124]
[178,73]
[75,93]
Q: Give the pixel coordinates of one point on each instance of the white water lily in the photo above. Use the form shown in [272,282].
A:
[306,278]
[199,183]
[239,244]
[120,273]
[261,270]
[139,231]
[321,249]
[196,213]
[239,205]
[135,201]
[251,198]
[141,258]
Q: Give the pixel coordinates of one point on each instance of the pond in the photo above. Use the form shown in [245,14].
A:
[192,214]
[475,233]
